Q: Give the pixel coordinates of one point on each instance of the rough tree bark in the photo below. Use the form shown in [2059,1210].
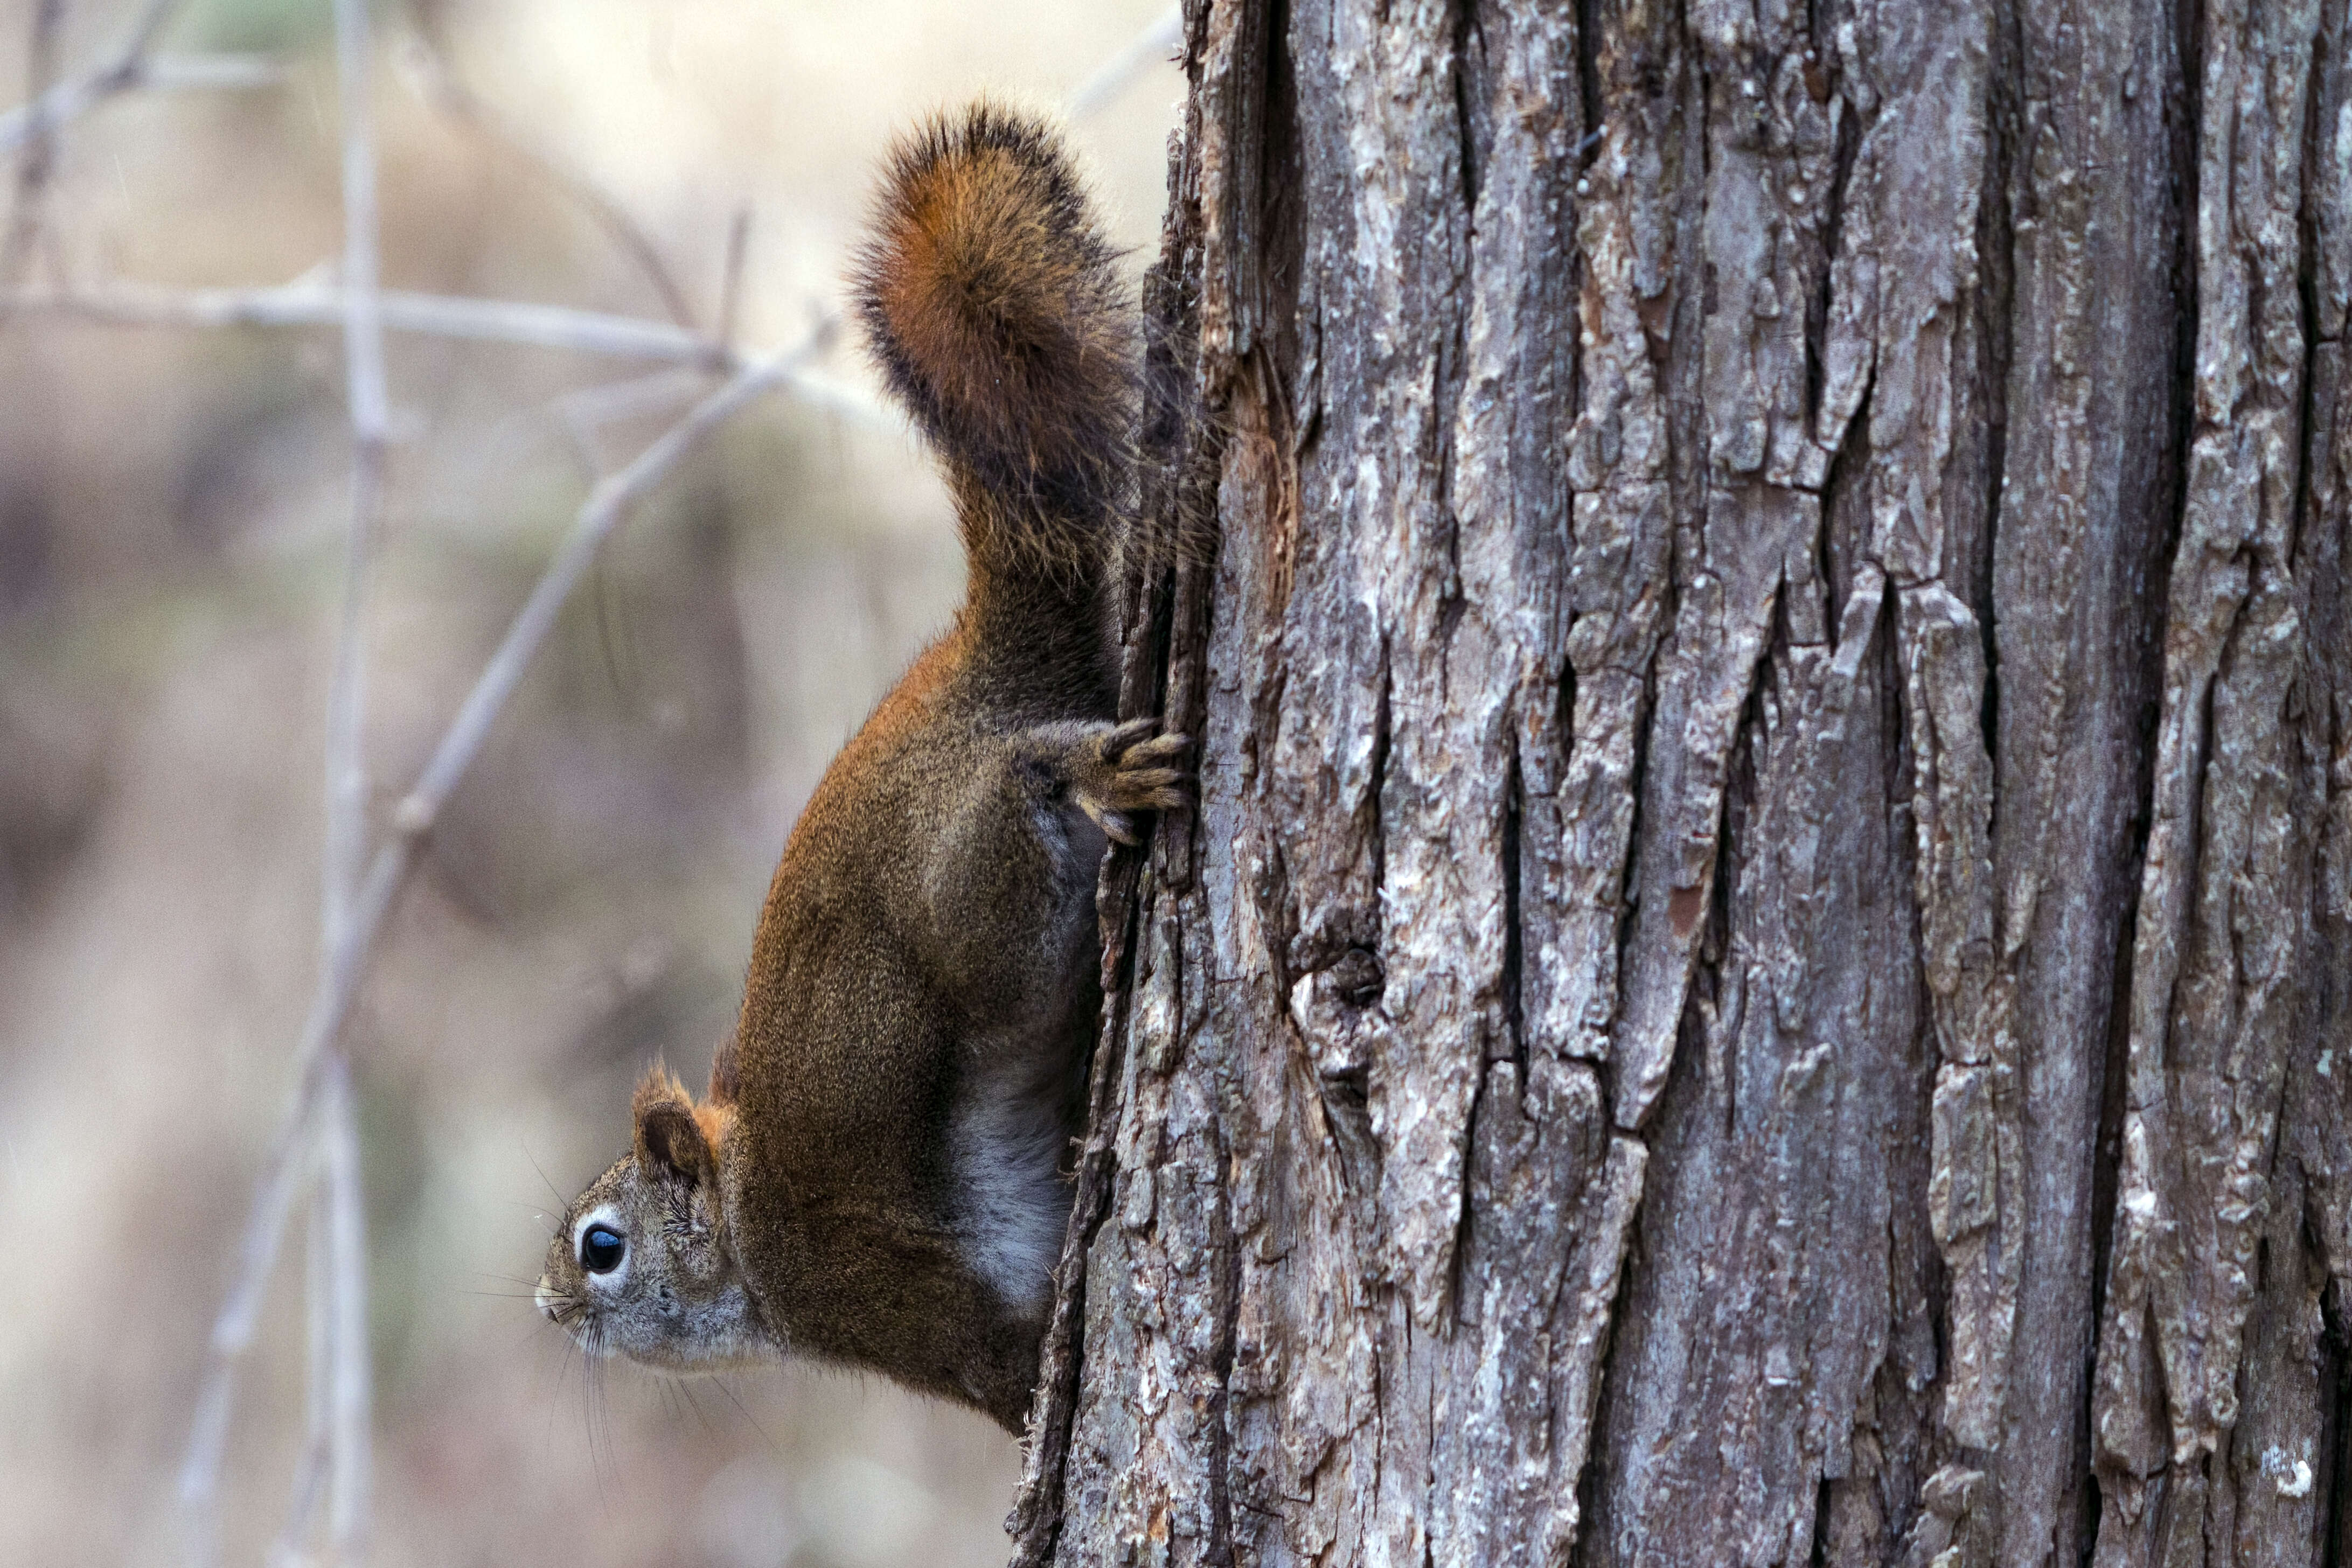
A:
[1763,973]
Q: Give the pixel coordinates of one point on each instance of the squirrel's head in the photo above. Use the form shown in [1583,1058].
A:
[640,1267]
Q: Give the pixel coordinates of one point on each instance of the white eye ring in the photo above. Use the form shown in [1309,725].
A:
[604,1216]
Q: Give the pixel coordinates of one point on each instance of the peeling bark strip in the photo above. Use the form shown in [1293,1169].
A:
[1763,970]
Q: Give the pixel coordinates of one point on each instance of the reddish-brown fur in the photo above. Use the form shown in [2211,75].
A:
[997,315]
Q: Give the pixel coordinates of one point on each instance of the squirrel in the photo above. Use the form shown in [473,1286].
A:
[875,1176]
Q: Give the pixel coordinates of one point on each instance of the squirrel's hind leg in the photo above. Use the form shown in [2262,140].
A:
[1015,838]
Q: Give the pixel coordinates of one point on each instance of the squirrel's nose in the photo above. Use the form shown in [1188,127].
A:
[546,1298]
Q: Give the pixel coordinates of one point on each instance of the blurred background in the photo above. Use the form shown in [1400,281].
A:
[173,505]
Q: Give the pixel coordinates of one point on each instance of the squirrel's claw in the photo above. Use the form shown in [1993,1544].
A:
[1127,773]
[1115,742]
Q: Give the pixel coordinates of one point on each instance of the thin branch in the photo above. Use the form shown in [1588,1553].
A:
[441,86]
[311,304]
[148,28]
[730,280]
[318,1432]
[847,399]
[369,403]
[368,398]
[1152,47]
[349,1396]
[585,410]
[38,157]
[442,315]
[76,96]
[346,960]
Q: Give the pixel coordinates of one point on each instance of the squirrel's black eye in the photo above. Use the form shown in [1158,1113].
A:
[601,1249]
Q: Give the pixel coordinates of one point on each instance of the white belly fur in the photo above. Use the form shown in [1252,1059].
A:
[1013,1203]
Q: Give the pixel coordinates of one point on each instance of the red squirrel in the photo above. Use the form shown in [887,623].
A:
[875,1176]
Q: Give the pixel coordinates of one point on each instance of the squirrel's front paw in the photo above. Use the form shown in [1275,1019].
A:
[1123,769]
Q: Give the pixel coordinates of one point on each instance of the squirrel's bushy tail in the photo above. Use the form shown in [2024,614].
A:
[995,311]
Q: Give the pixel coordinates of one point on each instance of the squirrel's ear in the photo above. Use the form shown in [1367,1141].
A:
[670,1142]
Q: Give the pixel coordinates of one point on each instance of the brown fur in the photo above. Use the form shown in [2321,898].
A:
[880,1137]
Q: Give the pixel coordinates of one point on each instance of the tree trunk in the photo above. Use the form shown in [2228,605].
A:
[1763,972]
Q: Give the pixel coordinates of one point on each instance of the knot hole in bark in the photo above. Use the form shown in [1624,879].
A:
[1357,979]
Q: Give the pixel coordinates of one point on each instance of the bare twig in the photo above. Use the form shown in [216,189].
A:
[584,413]
[349,1396]
[441,86]
[318,1432]
[847,399]
[148,28]
[1151,46]
[318,304]
[369,401]
[38,156]
[76,96]
[307,304]
[731,281]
